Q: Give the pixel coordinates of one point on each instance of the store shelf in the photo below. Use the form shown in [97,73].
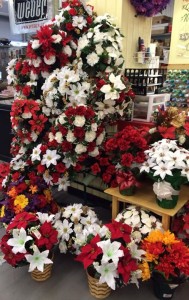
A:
[162,35]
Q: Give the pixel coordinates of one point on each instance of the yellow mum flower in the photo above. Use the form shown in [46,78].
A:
[169,238]
[13,192]
[144,267]
[33,189]
[21,200]
[154,236]
[151,257]
[2,211]
[47,194]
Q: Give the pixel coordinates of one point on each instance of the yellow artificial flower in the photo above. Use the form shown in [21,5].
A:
[169,238]
[179,120]
[151,257]
[154,236]
[21,200]
[13,192]
[144,267]
[47,194]
[33,189]
[2,211]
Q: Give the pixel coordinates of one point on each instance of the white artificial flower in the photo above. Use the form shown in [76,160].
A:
[35,44]
[63,183]
[164,190]
[163,169]
[45,74]
[79,121]
[59,19]
[92,59]
[100,138]
[110,93]
[36,62]
[61,119]
[47,177]
[80,149]
[70,136]
[50,157]
[70,209]
[38,260]
[17,165]
[36,153]
[107,106]
[44,217]
[90,136]
[67,50]
[94,153]
[111,251]
[50,60]
[78,228]
[82,42]
[33,76]
[185,172]
[116,80]
[59,137]
[26,115]
[94,126]
[19,240]
[79,22]
[34,137]
[56,38]
[99,49]
[176,159]
[63,247]
[135,251]
[66,230]
[108,273]
[147,165]
[181,139]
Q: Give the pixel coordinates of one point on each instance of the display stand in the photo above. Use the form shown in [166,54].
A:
[145,198]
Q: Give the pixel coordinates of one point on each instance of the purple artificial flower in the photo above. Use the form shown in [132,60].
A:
[149,8]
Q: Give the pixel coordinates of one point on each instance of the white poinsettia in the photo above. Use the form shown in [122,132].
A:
[36,153]
[66,229]
[63,183]
[38,260]
[111,251]
[163,169]
[50,157]
[19,240]
[79,22]
[44,217]
[116,80]
[108,273]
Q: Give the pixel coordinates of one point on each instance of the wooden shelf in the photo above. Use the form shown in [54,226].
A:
[145,198]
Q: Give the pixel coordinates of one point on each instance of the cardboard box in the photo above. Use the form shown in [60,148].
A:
[161,19]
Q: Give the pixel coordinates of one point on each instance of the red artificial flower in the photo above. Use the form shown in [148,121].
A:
[127,159]
[72,12]
[69,26]
[104,161]
[167,133]
[95,169]
[60,167]
[48,236]
[186,127]
[119,230]
[41,169]
[66,146]
[21,220]
[89,252]
[38,122]
[126,265]
[79,132]
[106,177]
[26,90]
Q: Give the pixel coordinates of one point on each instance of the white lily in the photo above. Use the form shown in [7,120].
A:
[107,273]
[44,217]
[50,157]
[19,240]
[110,251]
[38,260]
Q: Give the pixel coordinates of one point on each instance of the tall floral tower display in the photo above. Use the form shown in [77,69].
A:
[67,89]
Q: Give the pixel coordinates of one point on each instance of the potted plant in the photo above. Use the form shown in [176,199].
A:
[75,223]
[166,261]
[118,164]
[30,239]
[110,258]
[167,165]
[141,221]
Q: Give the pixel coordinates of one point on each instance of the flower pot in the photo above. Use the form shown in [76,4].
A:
[128,192]
[42,276]
[164,203]
[163,289]
[98,290]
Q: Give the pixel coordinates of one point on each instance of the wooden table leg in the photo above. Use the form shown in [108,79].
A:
[166,222]
[115,207]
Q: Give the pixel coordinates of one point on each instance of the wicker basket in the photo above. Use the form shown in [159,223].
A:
[98,290]
[42,276]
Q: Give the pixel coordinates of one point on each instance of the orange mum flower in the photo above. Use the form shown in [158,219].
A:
[13,192]
[33,189]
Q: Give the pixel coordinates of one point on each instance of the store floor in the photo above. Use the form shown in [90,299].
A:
[68,281]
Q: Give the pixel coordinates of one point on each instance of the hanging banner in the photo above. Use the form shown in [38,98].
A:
[179,52]
[28,15]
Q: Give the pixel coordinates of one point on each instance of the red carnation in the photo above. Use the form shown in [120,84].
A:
[95,169]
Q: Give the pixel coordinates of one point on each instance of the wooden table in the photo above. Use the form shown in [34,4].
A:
[145,198]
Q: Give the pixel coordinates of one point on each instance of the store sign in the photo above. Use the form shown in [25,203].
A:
[179,52]
[28,15]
